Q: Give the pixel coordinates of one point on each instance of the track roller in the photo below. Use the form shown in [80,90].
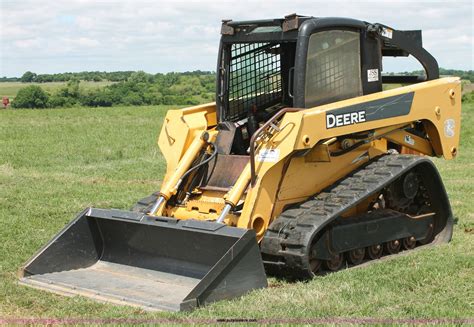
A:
[409,243]
[374,251]
[356,256]
[392,247]
[335,263]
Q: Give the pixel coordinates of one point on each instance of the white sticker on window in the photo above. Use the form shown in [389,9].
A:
[372,75]
[387,32]
[268,155]
[449,126]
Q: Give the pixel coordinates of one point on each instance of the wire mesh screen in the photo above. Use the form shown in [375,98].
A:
[254,78]
[333,67]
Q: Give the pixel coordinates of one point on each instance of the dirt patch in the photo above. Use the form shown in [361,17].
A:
[467,88]
[7,169]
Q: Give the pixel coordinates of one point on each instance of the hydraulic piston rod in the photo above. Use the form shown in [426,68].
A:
[172,184]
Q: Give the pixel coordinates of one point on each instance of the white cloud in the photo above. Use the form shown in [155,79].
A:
[28,44]
[86,42]
[158,36]
[85,23]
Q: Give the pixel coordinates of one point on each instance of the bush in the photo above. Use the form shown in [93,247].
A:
[468,97]
[31,96]
[132,99]
[58,100]
[97,98]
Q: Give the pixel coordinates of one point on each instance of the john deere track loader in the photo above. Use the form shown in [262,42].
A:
[303,165]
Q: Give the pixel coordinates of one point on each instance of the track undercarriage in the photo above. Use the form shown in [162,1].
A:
[318,236]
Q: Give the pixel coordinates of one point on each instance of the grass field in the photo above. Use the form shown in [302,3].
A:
[10,89]
[54,163]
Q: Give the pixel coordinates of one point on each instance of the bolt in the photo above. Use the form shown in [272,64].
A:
[454,151]
[306,140]
[412,239]
[452,94]
[346,143]
[396,242]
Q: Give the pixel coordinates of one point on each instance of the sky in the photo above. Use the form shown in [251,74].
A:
[54,36]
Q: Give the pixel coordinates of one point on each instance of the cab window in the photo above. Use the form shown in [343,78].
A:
[333,67]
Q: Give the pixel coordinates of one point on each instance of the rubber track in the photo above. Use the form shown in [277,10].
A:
[288,238]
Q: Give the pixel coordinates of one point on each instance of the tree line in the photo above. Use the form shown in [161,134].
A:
[463,74]
[139,88]
[134,88]
[94,76]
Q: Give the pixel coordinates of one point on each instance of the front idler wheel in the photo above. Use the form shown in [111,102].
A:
[314,264]
[356,256]
[392,247]
[429,235]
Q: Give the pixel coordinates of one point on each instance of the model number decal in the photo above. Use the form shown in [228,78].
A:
[349,118]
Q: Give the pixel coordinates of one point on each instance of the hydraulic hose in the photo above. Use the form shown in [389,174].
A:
[212,156]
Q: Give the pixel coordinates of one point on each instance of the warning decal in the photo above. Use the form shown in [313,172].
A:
[387,32]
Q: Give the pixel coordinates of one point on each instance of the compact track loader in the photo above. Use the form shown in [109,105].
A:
[303,165]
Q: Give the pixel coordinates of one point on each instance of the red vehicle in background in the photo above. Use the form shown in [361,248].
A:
[6,102]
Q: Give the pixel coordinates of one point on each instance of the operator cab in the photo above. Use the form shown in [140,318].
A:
[302,62]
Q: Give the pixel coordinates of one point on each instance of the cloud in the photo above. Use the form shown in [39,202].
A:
[28,44]
[48,36]
[85,42]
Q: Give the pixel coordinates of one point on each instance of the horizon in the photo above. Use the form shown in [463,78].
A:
[180,72]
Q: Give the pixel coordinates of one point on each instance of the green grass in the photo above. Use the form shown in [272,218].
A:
[10,89]
[54,163]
